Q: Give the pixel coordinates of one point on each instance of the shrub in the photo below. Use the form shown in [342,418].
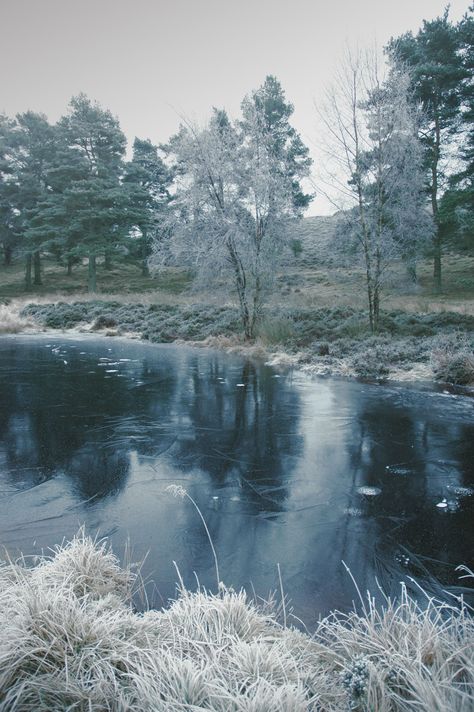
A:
[321,348]
[296,247]
[11,321]
[452,361]
[371,364]
[104,321]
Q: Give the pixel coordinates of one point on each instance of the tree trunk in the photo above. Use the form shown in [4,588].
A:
[69,266]
[376,309]
[28,282]
[410,265]
[257,306]
[437,261]
[241,286]
[434,206]
[371,304]
[37,268]
[92,281]
[107,260]
[7,255]
[245,314]
[145,269]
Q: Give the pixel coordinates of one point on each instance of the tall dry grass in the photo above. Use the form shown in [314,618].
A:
[71,640]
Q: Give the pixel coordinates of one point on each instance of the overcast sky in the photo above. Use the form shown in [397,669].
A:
[149,61]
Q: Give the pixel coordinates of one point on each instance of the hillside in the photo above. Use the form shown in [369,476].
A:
[315,234]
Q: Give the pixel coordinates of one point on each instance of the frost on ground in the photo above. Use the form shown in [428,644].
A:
[12,322]
[71,640]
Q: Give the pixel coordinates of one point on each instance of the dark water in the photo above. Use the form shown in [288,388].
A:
[92,431]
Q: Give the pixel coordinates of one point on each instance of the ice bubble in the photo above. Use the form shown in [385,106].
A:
[369,491]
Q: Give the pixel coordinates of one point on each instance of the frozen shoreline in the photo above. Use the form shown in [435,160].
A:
[378,359]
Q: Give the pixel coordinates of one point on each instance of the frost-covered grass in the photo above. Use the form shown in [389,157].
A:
[11,320]
[453,359]
[71,640]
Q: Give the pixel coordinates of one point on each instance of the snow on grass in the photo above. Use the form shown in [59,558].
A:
[71,640]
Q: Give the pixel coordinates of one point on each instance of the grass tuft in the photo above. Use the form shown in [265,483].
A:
[71,640]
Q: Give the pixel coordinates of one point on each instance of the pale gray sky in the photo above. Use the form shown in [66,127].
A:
[150,60]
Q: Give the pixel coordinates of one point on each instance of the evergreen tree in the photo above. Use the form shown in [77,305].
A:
[8,234]
[238,187]
[33,144]
[49,223]
[275,161]
[269,104]
[147,180]
[457,204]
[434,61]
[96,204]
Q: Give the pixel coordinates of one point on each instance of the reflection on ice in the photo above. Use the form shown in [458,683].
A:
[461,491]
[285,470]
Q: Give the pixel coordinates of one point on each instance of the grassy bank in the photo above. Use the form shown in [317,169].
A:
[315,317]
[71,640]
[327,340]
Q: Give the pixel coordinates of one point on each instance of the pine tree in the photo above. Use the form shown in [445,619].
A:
[33,144]
[274,111]
[435,64]
[147,180]
[96,205]
[8,234]
[238,186]
[49,223]
[457,204]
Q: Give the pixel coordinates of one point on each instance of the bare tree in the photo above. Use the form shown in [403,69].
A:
[374,165]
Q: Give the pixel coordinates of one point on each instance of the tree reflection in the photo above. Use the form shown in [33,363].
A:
[243,428]
[77,416]
[74,418]
[418,460]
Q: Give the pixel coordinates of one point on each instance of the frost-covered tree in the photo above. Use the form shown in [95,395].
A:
[376,163]
[238,186]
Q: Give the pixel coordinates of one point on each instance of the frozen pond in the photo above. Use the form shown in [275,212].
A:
[304,473]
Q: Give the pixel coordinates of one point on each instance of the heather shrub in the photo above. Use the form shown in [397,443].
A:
[371,363]
[452,360]
[104,321]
